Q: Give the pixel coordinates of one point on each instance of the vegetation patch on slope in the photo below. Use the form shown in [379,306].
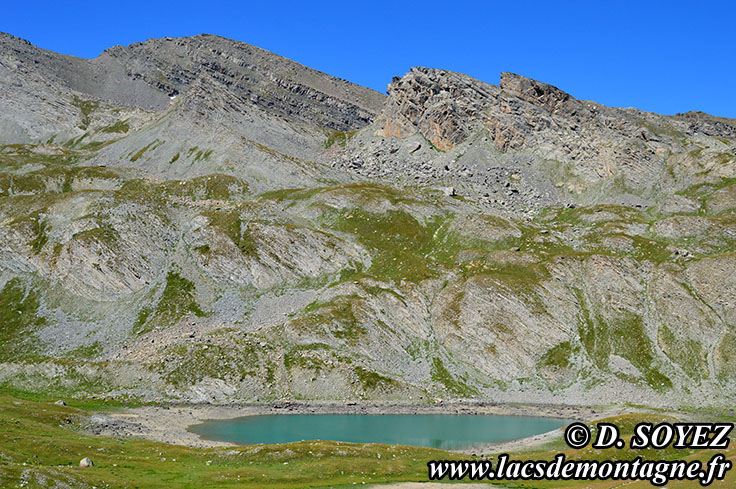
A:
[177,300]
[19,317]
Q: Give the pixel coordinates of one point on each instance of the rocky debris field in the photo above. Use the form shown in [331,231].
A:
[199,220]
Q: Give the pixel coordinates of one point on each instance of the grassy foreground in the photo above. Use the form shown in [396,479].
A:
[41,445]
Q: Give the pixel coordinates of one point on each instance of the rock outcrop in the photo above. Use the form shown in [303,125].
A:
[561,149]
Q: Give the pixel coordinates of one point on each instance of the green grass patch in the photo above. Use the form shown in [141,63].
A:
[439,373]
[118,127]
[86,107]
[177,300]
[558,356]
[141,151]
[19,318]
[52,179]
[662,129]
[203,155]
[293,194]
[622,334]
[688,354]
[399,241]
[336,317]
[104,234]
[339,137]
[203,249]
[229,223]
[85,352]
[372,380]
[302,356]
[216,186]
[185,365]
[40,231]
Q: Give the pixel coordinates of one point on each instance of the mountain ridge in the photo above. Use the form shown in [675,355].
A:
[261,231]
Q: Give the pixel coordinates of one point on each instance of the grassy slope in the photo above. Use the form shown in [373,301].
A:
[41,443]
[404,248]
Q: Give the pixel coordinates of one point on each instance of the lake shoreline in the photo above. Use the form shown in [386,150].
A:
[170,423]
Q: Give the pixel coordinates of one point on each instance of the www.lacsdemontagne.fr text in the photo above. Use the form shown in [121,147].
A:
[658,472]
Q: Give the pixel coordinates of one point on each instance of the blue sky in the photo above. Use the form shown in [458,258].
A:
[664,57]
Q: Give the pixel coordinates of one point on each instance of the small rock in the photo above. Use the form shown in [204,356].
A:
[86,462]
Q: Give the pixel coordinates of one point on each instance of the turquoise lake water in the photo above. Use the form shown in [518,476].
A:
[449,432]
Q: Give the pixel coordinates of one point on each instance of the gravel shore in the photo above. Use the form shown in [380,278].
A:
[169,424]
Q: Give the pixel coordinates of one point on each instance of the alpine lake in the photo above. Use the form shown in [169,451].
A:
[443,431]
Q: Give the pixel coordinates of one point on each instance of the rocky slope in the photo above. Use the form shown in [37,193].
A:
[199,219]
[447,127]
[182,108]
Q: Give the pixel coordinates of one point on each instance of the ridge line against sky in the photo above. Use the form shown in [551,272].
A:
[664,57]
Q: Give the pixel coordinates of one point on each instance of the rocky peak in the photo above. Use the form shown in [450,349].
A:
[537,93]
[440,104]
[6,38]
[585,149]
[708,124]
[275,83]
[447,107]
